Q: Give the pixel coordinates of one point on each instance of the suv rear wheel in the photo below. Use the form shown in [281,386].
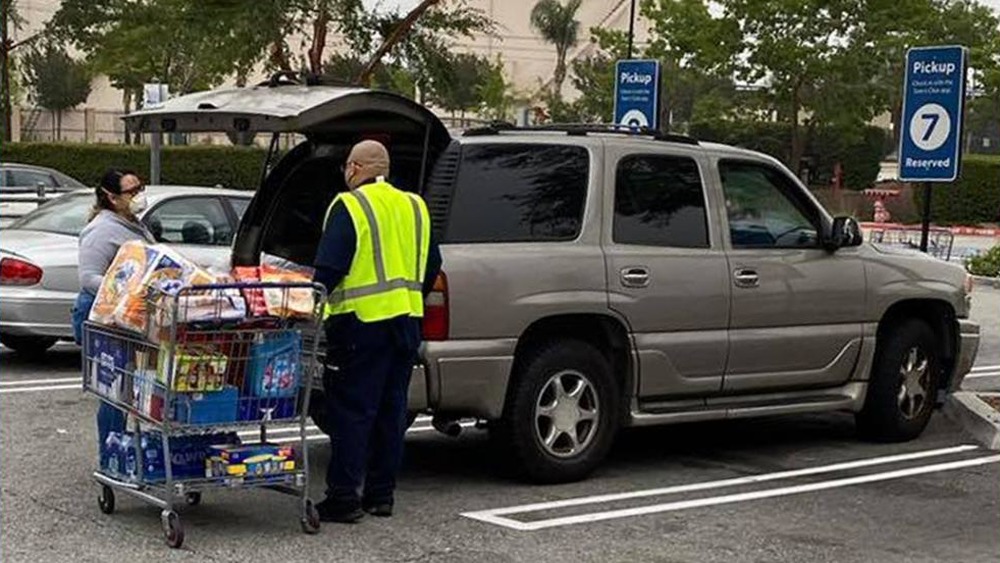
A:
[561,414]
[28,346]
[904,384]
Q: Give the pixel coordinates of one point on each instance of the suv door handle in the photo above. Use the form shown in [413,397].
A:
[746,277]
[635,276]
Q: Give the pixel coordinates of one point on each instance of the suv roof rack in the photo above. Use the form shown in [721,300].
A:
[497,127]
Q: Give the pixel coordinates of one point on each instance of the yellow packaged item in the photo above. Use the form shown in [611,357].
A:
[124,277]
[196,368]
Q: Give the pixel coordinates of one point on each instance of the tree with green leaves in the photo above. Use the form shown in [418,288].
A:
[57,82]
[497,96]
[822,63]
[557,24]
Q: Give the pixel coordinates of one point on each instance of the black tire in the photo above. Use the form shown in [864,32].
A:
[106,500]
[28,346]
[193,499]
[173,531]
[520,431]
[891,413]
[310,518]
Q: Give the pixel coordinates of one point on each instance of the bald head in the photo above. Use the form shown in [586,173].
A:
[367,160]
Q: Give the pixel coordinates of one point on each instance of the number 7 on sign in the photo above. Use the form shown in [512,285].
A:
[930,127]
[933,118]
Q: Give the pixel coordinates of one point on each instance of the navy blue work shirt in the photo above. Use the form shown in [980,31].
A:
[333,262]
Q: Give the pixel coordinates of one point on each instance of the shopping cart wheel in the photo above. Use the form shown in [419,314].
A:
[107,499]
[173,532]
[310,518]
[193,499]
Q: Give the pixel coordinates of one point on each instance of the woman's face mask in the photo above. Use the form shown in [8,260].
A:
[138,203]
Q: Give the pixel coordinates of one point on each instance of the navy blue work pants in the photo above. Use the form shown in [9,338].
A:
[366,382]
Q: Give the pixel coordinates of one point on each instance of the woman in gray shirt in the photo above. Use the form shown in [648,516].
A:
[119,200]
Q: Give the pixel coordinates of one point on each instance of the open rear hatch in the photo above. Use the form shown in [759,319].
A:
[285,218]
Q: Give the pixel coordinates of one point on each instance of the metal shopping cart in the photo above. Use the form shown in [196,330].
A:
[198,365]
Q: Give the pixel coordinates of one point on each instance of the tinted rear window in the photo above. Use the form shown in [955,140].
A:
[519,192]
[659,202]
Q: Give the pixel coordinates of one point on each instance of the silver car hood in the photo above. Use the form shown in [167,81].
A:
[56,254]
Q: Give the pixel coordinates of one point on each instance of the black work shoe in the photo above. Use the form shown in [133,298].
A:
[382,510]
[331,511]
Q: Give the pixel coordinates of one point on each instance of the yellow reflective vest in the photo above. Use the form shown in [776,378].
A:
[392,229]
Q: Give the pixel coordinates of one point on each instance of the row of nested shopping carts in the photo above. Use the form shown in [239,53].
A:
[180,398]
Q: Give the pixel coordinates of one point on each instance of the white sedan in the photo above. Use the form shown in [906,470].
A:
[38,254]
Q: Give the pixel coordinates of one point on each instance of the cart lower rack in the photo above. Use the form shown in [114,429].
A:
[196,366]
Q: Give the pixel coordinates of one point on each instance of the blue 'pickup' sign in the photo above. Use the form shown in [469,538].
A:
[637,93]
[931,125]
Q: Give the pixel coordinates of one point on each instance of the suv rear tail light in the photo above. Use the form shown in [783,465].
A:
[18,272]
[436,310]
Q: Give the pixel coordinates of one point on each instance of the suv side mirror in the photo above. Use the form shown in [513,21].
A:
[844,232]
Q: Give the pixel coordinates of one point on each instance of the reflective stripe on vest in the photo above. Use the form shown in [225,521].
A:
[381,286]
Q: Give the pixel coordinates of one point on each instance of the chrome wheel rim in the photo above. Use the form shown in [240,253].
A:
[566,414]
[915,381]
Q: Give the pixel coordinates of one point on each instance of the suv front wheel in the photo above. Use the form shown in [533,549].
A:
[561,414]
[903,387]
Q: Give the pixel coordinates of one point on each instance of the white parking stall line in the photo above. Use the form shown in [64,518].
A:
[983,371]
[77,386]
[495,516]
[51,381]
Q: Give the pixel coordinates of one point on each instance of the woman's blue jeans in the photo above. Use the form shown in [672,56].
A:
[109,419]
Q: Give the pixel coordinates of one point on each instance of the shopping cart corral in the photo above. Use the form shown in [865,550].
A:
[939,240]
[202,370]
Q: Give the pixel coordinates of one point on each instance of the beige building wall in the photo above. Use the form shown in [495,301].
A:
[530,61]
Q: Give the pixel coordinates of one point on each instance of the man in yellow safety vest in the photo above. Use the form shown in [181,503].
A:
[377,260]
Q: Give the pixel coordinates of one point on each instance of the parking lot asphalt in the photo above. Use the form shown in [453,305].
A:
[799,488]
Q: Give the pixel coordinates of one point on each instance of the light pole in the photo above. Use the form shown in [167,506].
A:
[631,28]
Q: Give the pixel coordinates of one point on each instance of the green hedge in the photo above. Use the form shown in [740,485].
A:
[858,150]
[973,198]
[231,166]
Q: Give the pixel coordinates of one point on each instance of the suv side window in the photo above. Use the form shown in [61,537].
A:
[518,192]
[763,210]
[191,220]
[659,201]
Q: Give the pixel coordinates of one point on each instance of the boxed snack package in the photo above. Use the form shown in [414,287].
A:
[251,460]
[275,365]
[187,454]
[196,366]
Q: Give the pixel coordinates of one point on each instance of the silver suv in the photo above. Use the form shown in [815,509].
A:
[597,279]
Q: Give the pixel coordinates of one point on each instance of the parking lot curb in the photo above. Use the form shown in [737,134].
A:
[978,419]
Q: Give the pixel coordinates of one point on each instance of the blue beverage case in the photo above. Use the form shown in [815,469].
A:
[276,365]
[212,407]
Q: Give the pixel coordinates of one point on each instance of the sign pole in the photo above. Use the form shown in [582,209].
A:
[925,224]
[631,29]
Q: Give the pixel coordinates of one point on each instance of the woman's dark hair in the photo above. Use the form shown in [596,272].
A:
[111,182]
